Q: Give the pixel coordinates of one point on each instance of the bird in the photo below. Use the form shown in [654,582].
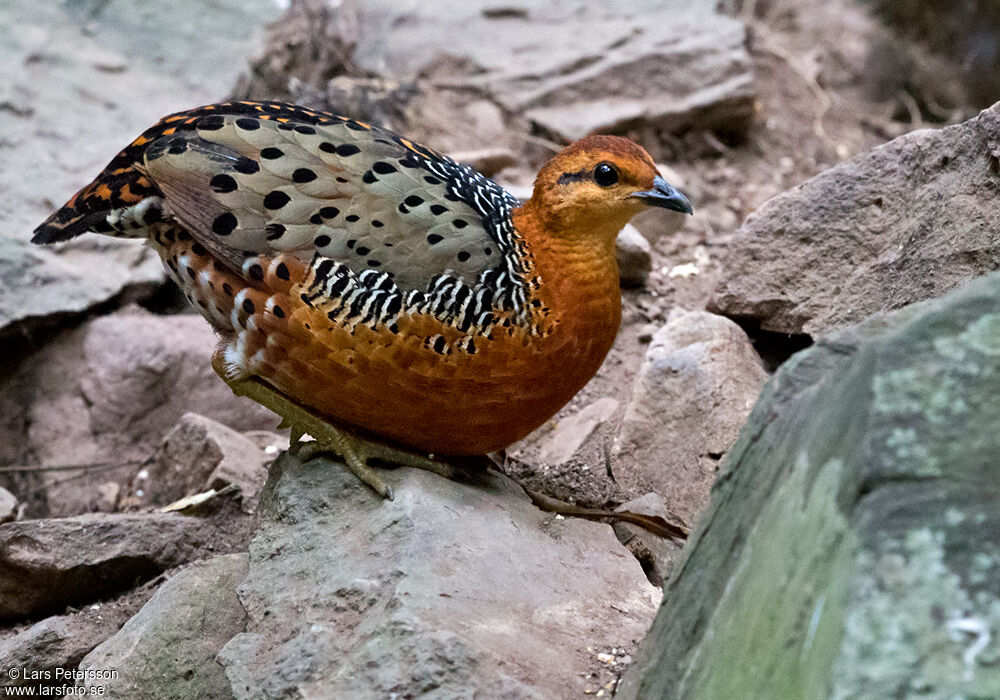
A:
[376,294]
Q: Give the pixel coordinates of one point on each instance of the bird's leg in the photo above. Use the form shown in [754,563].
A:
[354,449]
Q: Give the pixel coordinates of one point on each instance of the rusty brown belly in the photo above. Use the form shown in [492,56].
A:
[396,385]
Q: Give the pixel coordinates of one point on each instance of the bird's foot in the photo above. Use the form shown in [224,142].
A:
[355,449]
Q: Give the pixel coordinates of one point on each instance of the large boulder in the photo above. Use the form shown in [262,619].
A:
[905,222]
[850,549]
[451,590]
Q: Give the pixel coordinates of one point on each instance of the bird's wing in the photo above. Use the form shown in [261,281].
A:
[265,182]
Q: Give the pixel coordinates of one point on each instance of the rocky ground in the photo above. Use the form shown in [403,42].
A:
[306,586]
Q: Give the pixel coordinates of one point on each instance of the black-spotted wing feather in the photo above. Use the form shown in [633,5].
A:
[358,194]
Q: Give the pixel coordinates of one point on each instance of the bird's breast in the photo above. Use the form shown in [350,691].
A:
[419,390]
[413,378]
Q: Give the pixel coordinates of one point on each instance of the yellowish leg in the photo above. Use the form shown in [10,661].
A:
[354,449]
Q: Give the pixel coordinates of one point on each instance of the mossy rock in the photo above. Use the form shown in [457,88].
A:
[852,547]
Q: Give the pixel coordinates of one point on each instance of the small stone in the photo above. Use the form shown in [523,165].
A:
[171,643]
[694,390]
[106,392]
[570,433]
[635,257]
[486,118]
[200,454]
[657,555]
[107,496]
[646,333]
[8,506]
[683,270]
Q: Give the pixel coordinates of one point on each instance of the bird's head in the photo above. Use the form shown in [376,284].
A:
[595,185]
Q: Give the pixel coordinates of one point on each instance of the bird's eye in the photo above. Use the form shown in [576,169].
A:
[605,174]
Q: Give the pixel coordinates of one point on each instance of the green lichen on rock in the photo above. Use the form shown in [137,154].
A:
[913,630]
[852,548]
[802,632]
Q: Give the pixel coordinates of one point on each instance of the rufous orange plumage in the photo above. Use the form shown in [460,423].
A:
[374,281]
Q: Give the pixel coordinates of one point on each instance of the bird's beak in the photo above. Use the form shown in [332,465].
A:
[664,195]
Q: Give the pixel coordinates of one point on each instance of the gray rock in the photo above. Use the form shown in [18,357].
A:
[693,70]
[57,135]
[8,506]
[572,67]
[167,651]
[693,392]
[635,257]
[42,285]
[905,222]
[451,590]
[576,67]
[197,455]
[851,546]
[571,432]
[108,494]
[658,556]
[48,564]
[138,63]
[106,393]
[58,644]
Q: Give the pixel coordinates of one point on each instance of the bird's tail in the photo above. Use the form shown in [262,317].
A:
[109,204]
[70,221]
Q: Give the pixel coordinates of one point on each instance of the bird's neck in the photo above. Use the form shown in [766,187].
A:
[578,276]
